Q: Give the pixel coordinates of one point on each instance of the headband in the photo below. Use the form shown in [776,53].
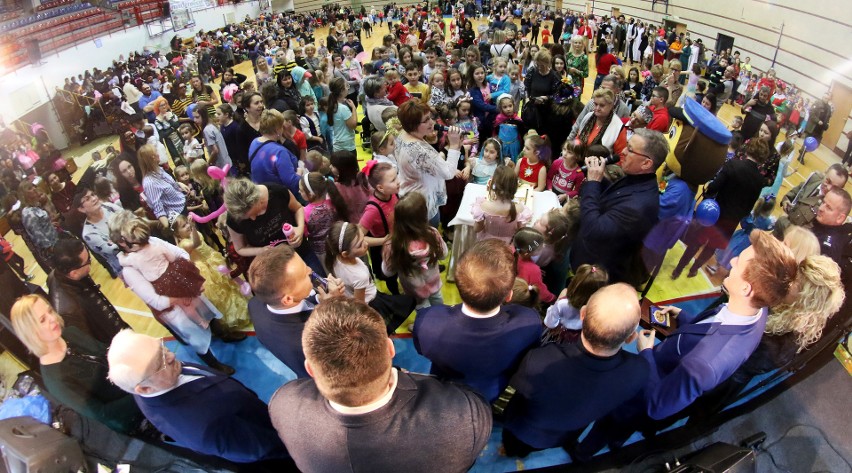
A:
[307,184]
[340,239]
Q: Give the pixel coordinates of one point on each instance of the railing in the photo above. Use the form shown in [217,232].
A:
[42,18]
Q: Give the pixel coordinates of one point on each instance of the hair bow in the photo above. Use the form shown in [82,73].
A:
[368,168]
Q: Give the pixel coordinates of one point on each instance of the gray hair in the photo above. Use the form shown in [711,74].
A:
[240,196]
[656,145]
[372,86]
[615,79]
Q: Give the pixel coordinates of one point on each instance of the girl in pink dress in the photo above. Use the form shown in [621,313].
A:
[496,216]
[325,206]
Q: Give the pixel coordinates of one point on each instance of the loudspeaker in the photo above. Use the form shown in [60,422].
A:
[33,51]
[167,9]
[29,446]
[718,458]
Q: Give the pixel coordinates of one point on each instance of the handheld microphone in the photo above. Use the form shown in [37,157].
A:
[611,159]
[439,127]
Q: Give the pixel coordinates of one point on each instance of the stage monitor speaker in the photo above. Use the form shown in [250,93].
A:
[718,458]
[29,446]
[33,51]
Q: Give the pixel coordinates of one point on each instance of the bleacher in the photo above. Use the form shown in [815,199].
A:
[148,10]
[55,30]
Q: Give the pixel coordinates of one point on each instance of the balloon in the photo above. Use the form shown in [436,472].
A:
[707,212]
[214,214]
[190,111]
[811,144]
[223,269]
[218,173]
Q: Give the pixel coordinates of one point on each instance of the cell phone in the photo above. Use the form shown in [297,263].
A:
[657,317]
[318,281]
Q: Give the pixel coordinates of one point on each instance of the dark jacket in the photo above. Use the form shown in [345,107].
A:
[82,304]
[614,219]
[736,189]
[215,415]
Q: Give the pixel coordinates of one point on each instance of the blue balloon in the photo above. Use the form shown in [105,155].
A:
[190,111]
[707,213]
[811,144]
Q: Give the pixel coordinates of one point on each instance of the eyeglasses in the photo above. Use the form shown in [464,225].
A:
[87,262]
[630,150]
[165,363]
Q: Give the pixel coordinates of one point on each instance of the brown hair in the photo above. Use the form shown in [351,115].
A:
[345,342]
[268,273]
[412,224]
[504,185]
[411,114]
[757,150]
[485,275]
[586,281]
[772,271]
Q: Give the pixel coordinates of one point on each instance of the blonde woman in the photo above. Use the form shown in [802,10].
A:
[73,365]
[262,71]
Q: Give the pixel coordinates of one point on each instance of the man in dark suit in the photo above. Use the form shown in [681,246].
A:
[561,388]
[480,341]
[284,299]
[706,348]
[201,409]
[615,218]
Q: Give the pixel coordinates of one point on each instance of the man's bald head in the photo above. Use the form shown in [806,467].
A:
[610,317]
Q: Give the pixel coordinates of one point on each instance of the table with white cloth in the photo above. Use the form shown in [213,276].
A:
[463,235]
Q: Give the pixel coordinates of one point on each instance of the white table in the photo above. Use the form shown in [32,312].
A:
[463,235]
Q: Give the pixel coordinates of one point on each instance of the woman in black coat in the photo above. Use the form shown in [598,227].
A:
[541,83]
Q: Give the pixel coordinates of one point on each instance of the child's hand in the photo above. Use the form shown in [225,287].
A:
[562,198]
[297,236]
[465,174]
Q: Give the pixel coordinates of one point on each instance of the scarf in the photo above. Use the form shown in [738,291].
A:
[381,101]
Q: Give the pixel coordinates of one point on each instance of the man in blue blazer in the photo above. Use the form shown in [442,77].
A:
[479,342]
[284,299]
[201,409]
[705,349]
[615,218]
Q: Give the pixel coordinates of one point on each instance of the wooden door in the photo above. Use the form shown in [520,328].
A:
[559,5]
[841,98]
[616,12]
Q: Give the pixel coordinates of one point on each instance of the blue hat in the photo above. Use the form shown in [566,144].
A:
[705,122]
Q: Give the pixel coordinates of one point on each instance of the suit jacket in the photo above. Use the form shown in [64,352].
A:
[215,415]
[806,188]
[479,352]
[696,358]
[614,219]
[561,388]
[281,334]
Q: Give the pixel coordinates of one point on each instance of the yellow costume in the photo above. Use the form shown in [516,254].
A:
[220,289]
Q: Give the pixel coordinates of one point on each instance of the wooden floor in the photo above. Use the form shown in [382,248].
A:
[136,313]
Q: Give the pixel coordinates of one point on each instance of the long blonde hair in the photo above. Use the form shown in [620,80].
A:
[820,295]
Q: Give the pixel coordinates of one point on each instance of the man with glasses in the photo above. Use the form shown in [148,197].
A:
[76,297]
[201,409]
[616,217]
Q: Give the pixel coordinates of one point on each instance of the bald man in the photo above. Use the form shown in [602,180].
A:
[562,388]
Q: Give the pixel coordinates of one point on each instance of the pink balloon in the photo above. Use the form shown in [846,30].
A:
[214,214]
[218,173]
[223,269]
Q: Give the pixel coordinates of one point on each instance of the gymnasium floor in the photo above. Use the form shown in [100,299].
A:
[263,373]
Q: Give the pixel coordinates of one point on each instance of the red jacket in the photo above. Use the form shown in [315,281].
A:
[661,119]
[398,94]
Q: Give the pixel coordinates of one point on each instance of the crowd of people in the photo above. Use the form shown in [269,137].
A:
[248,204]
